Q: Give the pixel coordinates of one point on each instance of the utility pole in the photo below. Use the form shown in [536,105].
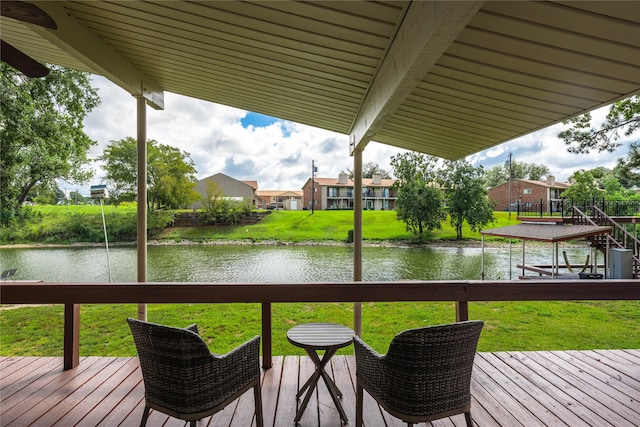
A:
[510,179]
[314,169]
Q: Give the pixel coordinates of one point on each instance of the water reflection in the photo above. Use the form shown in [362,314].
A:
[231,263]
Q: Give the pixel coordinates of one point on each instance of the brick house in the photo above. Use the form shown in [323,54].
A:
[527,191]
[279,199]
[337,193]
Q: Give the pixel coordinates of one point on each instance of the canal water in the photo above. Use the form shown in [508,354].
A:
[262,263]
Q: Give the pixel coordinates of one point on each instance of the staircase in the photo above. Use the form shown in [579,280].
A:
[618,238]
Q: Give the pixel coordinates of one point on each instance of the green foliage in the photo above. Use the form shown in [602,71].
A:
[370,169]
[75,223]
[419,202]
[220,210]
[519,170]
[41,132]
[466,196]
[628,168]
[581,137]
[420,207]
[599,183]
[171,174]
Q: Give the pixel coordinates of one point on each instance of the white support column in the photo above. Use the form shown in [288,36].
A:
[357,235]
[142,199]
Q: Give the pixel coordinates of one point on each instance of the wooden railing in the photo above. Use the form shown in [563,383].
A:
[462,292]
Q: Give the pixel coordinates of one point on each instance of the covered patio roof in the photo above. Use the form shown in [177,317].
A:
[546,232]
[446,78]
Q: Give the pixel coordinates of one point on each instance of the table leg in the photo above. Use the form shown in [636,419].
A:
[312,383]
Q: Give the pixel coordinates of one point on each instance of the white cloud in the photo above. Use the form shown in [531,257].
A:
[279,155]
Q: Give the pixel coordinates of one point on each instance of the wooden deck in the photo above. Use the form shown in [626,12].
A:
[554,388]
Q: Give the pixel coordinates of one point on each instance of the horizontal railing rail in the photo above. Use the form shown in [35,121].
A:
[461,292]
[563,207]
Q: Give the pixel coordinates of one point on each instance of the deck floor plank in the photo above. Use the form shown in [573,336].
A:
[574,388]
[118,398]
[271,387]
[129,411]
[53,394]
[511,394]
[583,391]
[286,408]
[486,408]
[546,377]
[93,403]
[38,389]
[26,372]
[622,363]
[609,377]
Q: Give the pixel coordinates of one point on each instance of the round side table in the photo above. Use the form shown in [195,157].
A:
[314,337]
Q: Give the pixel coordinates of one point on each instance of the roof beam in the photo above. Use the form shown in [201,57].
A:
[73,37]
[425,34]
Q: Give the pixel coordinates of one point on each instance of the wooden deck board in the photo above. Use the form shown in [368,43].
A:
[576,388]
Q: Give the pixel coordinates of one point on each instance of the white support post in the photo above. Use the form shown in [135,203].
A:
[357,235]
[142,198]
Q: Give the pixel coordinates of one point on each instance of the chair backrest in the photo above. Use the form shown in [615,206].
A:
[429,369]
[169,359]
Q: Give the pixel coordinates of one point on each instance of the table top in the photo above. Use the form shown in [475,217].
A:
[320,336]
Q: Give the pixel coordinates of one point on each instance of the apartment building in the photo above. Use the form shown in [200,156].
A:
[337,193]
[527,191]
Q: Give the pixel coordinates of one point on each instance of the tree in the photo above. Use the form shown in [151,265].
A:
[598,183]
[41,132]
[585,187]
[581,137]
[628,168]
[519,170]
[171,174]
[369,169]
[419,201]
[466,196]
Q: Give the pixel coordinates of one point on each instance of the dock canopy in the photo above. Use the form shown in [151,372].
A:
[543,233]
[546,232]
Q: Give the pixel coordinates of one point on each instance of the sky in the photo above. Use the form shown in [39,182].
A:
[277,153]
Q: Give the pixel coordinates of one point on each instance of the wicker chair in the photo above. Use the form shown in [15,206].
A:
[425,375]
[184,380]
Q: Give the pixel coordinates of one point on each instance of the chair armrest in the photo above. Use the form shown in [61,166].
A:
[193,328]
[242,364]
[370,366]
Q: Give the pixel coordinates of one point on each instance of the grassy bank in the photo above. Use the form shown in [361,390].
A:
[71,224]
[38,331]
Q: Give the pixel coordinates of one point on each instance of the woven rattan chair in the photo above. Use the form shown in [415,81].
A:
[425,375]
[184,380]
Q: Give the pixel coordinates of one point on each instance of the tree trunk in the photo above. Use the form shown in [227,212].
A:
[25,192]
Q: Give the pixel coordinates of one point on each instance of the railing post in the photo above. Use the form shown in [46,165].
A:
[267,340]
[462,311]
[71,336]
[541,208]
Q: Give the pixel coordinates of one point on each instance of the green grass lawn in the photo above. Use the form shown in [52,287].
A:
[38,331]
[302,226]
